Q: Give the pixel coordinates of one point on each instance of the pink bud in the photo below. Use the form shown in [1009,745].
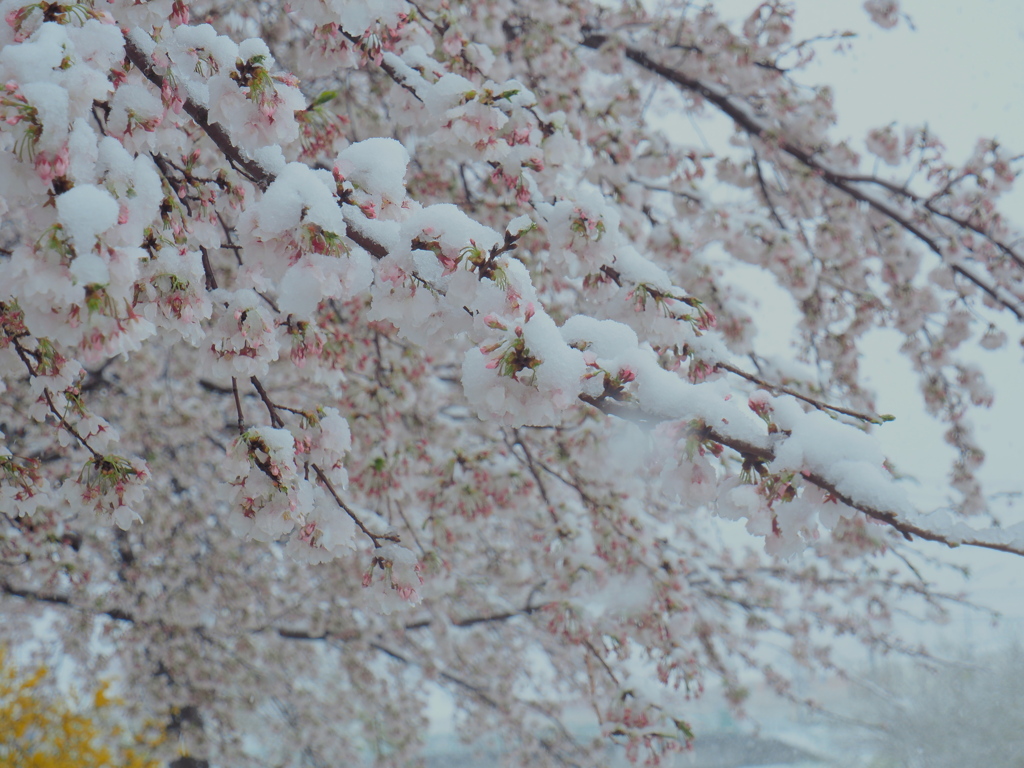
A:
[43,169]
[492,321]
[60,164]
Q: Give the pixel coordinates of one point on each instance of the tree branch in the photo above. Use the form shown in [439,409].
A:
[376,538]
[834,179]
[820,405]
[63,601]
[250,169]
[762,455]
[749,124]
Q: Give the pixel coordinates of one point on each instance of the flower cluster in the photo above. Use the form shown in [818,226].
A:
[481,347]
[110,487]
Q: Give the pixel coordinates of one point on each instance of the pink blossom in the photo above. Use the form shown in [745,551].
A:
[44,169]
[60,162]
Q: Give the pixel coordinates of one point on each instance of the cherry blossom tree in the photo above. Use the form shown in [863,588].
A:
[421,369]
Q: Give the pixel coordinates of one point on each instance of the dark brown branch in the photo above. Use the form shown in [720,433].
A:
[365,242]
[376,538]
[388,69]
[25,355]
[536,476]
[475,690]
[263,179]
[764,193]
[278,422]
[275,417]
[835,180]
[674,192]
[247,167]
[52,598]
[211,279]
[475,620]
[590,647]
[820,405]
[760,455]
[238,405]
[210,386]
[901,190]
[68,428]
[287,633]
[487,699]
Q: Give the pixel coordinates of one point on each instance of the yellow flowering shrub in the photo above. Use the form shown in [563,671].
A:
[40,728]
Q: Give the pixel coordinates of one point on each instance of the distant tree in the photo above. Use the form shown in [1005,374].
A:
[424,367]
[968,714]
[41,728]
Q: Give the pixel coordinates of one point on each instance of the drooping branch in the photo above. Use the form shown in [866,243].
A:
[249,168]
[761,455]
[277,422]
[901,190]
[63,601]
[493,702]
[25,355]
[754,453]
[288,633]
[376,538]
[844,183]
[821,406]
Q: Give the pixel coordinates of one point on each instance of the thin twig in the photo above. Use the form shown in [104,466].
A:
[275,417]
[820,405]
[836,180]
[238,405]
[764,193]
[376,538]
[536,476]
[211,278]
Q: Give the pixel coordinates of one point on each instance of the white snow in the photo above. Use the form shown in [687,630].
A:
[377,165]
[85,211]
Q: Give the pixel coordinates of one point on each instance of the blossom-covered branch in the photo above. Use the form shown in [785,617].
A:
[302,373]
